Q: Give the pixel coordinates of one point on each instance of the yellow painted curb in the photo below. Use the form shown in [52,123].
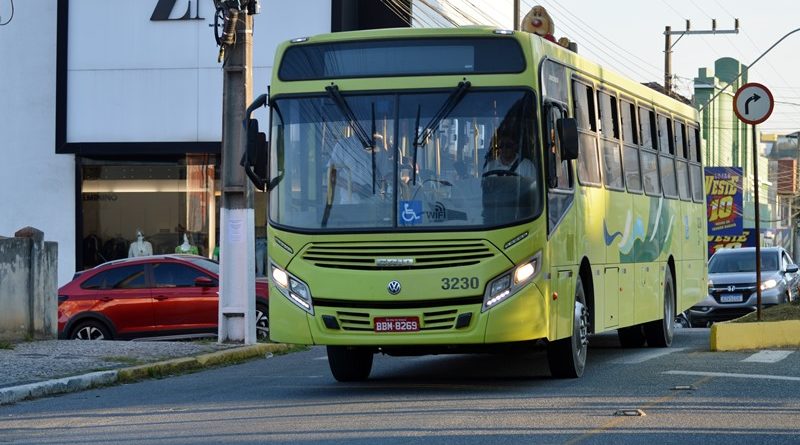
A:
[755,335]
[163,368]
[238,354]
[156,369]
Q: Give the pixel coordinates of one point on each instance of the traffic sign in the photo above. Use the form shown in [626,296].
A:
[753,103]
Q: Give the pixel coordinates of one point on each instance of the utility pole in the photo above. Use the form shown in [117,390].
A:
[668,45]
[516,15]
[237,234]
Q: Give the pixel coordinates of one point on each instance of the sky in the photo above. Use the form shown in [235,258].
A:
[628,35]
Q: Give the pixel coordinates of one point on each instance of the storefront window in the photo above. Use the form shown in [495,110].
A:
[172,203]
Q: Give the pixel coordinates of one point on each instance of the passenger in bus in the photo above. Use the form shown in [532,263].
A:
[508,158]
[351,170]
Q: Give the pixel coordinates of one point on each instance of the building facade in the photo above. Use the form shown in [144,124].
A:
[111,118]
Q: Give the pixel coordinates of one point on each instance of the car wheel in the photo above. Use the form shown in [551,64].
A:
[90,330]
[349,364]
[262,322]
[567,357]
[631,337]
[659,332]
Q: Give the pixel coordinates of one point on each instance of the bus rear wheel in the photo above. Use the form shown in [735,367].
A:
[349,364]
[567,357]
[659,333]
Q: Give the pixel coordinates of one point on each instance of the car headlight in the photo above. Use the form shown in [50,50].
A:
[511,281]
[769,284]
[293,288]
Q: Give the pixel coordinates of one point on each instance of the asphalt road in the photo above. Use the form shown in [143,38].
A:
[687,393]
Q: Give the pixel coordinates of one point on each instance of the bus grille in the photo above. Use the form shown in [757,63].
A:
[398,255]
[431,321]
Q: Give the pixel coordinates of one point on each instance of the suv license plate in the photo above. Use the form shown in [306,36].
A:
[396,324]
[730,298]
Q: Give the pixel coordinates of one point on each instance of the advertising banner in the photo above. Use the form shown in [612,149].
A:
[724,201]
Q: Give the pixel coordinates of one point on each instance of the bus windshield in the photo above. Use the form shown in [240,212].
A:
[413,161]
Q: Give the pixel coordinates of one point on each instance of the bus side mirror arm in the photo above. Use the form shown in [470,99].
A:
[255,159]
[567,128]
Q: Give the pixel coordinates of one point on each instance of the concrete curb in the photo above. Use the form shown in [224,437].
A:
[90,380]
[729,336]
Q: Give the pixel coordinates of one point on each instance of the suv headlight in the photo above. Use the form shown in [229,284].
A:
[511,281]
[769,284]
[293,288]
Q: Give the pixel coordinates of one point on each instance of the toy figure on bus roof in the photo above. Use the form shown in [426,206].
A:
[538,21]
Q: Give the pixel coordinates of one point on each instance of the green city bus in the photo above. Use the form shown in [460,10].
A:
[473,190]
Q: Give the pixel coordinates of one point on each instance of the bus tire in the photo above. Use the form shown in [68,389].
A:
[659,333]
[349,364]
[631,337]
[567,357]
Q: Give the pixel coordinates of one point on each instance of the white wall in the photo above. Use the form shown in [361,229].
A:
[129,79]
[160,81]
[37,187]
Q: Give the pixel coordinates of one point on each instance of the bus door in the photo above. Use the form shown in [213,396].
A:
[560,223]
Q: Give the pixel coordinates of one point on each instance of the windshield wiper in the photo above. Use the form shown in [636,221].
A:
[347,112]
[447,107]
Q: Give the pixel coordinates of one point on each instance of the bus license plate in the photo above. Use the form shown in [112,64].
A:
[730,298]
[396,324]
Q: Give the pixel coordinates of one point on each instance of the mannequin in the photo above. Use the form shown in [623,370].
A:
[186,247]
[140,247]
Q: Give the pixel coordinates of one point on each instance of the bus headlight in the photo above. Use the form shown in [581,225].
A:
[511,281]
[293,288]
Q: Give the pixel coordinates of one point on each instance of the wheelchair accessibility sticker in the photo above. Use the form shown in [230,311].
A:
[409,213]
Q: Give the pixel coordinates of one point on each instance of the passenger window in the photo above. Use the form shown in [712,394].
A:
[651,182]
[666,165]
[693,144]
[696,174]
[680,140]
[630,163]
[629,135]
[665,141]
[647,124]
[612,165]
[682,170]
[584,106]
[609,120]
[588,165]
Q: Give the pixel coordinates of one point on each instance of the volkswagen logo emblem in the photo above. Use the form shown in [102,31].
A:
[394,287]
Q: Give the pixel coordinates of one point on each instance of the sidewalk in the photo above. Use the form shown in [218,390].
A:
[41,368]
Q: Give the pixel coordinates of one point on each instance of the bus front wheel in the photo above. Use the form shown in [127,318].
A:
[349,364]
[659,333]
[567,357]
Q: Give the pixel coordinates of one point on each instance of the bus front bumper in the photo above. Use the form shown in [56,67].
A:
[522,317]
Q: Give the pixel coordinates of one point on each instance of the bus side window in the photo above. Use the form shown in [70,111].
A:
[666,159]
[648,156]
[681,161]
[609,140]
[588,162]
[630,150]
[695,168]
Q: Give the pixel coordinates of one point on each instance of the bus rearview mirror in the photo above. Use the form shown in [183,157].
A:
[568,136]
[255,156]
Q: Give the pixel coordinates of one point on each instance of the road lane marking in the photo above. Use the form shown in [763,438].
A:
[324,357]
[632,358]
[734,375]
[768,356]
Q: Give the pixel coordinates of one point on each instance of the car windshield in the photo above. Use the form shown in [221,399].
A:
[742,261]
[413,161]
[205,263]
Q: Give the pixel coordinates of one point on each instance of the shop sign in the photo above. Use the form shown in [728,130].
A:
[164,8]
[724,200]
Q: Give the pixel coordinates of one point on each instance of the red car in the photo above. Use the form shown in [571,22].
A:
[166,296]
